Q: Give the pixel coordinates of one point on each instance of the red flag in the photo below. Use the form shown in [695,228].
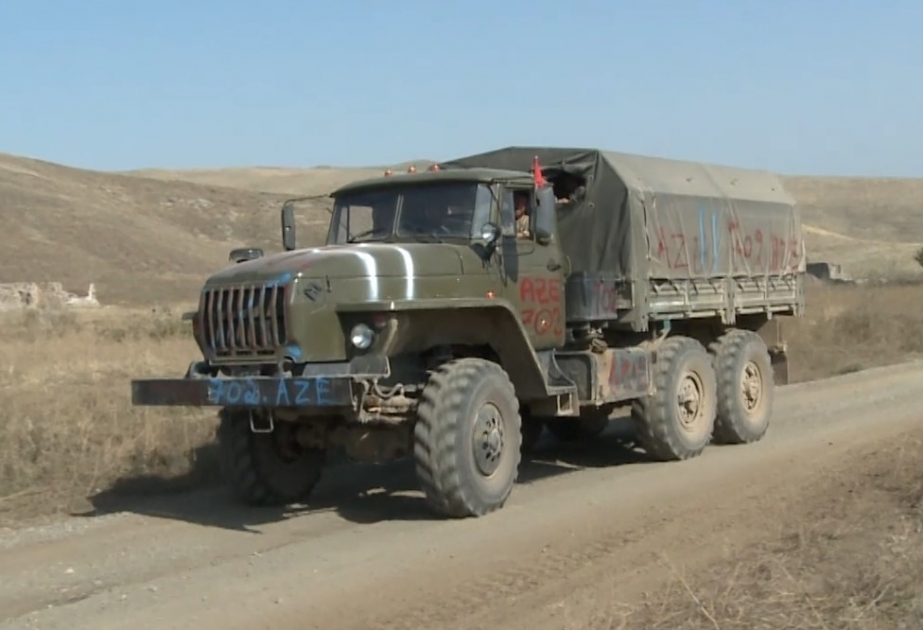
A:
[537,173]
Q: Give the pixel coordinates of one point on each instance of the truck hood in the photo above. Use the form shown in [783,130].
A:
[382,260]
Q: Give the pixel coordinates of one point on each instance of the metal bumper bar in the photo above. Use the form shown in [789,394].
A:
[317,391]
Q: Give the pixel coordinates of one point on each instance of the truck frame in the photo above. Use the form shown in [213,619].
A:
[431,325]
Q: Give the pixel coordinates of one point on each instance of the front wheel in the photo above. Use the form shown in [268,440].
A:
[467,438]
[267,468]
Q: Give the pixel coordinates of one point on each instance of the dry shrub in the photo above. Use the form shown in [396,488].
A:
[849,328]
[70,429]
[850,557]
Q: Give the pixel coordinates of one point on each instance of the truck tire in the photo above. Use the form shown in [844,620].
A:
[467,438]
[573,429]
[267,469]
[745,387]
[677,420]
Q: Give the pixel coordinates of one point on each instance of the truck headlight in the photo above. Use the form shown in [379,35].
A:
[361,336]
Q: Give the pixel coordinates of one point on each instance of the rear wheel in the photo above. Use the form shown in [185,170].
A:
[467,438]
[745,387]
[267,468]
[677,420]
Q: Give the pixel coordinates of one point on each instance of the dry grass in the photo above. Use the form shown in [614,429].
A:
[70,430]
[850,328]
[849,557]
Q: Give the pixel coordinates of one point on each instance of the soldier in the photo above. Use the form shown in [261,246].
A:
[520,207]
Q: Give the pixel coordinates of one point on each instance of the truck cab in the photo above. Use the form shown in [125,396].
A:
[410,262]
[469,214]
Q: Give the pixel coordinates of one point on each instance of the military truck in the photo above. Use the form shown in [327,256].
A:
[455,311]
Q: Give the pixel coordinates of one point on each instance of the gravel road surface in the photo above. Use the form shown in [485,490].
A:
[587,521]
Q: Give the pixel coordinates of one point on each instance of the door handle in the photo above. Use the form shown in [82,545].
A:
[554,265]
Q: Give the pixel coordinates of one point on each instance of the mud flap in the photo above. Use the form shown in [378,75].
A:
[779,359]
[771,333]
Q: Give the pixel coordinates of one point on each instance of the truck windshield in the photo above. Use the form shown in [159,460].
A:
[433,211]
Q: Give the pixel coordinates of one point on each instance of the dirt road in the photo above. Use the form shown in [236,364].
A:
[588,523]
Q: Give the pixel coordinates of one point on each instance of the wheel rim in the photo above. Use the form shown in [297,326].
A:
[751,387]
[487,440]
[690,405]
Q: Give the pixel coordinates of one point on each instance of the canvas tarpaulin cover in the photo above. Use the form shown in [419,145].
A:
[648,218]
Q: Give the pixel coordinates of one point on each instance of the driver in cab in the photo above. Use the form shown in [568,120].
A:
[520,211]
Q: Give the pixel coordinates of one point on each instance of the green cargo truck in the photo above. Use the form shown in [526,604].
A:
[455,312]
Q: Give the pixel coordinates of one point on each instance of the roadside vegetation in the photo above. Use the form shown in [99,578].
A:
[845,553]
[71,432]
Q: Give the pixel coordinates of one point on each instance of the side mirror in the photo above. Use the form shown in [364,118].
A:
[288,227]
[544,214]
[490,235]
[244,254]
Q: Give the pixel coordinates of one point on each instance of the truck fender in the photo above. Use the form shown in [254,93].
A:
[488,324]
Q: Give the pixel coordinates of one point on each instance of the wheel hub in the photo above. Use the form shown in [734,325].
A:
[488,439]
[689,401]
[751,386]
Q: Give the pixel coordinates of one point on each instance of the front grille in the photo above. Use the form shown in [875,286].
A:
[244,321]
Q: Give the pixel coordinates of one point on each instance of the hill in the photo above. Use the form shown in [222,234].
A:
[140,240]
[871,226]
[151,236]
[289,181]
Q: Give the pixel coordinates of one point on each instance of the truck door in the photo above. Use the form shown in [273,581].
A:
[534,274]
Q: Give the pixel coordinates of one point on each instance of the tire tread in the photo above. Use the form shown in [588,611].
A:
[436,428]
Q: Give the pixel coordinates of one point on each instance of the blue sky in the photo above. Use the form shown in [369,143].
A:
[796,86]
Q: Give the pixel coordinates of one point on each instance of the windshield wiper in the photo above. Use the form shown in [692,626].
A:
[429,237]
[354,238]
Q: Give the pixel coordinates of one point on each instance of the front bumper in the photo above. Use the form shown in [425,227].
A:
[249,392]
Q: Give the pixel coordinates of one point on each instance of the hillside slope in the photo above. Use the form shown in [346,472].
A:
[140,240]
[319,180]
[871,226]
[151,236]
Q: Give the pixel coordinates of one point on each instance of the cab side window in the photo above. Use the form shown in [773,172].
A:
[515,214]
[569,188]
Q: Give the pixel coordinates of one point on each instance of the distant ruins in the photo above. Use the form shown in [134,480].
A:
[36,295]
[828,271]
